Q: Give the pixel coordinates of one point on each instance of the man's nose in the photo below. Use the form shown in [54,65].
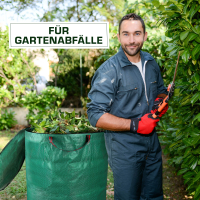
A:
[132,39]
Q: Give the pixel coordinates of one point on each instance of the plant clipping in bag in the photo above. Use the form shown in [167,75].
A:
[57,122]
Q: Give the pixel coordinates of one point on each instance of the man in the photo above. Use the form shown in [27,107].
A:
[124,90]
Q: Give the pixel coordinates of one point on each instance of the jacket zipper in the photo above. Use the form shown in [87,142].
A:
[143,76]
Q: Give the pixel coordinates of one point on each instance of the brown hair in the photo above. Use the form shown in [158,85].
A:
[134,17]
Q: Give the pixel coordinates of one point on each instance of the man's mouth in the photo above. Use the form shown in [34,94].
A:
[132,46]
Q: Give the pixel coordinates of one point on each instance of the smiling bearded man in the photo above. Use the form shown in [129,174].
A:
[124,90]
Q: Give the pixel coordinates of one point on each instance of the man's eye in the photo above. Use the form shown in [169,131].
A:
[137,33]
[125,34]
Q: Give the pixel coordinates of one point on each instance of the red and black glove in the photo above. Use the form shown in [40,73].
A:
[143,125]
[155,107]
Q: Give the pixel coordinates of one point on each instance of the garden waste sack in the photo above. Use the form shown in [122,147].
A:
[11,159]
[66,166]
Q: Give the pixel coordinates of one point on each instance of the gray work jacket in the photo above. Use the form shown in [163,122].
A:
[118,88]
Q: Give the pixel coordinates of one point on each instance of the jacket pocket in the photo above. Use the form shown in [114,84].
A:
[129,100]
[124,90]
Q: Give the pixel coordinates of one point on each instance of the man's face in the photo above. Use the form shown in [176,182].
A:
[131,36]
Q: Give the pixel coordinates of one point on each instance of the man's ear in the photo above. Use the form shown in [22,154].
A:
[145,36]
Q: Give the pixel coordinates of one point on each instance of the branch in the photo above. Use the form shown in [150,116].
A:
[2,74]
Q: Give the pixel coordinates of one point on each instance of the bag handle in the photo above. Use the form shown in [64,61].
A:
[87,138]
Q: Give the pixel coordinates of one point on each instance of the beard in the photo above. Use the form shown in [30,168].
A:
[134,51]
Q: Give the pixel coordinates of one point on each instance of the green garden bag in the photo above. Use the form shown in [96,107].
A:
[66,166]
[11,159]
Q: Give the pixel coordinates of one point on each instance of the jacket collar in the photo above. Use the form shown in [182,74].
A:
[124,60]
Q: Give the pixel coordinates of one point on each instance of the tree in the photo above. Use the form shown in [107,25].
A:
[17,73]
[66,10]
[181,127]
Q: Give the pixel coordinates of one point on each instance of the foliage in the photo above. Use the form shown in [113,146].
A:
[7,119]
[57,122]
[84,102]
[66,10]
[5,96]
[50,99]
[181,126]
[67,74]
[17,73]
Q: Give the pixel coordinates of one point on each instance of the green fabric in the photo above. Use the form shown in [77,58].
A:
[76,169]
[11,159]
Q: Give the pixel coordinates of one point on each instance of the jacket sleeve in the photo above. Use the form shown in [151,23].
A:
[102,94]
[161,89]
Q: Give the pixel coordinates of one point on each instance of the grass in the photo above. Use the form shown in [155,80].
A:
[172,184]
[110,185]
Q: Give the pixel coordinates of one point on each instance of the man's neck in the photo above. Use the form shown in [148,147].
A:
[134,59]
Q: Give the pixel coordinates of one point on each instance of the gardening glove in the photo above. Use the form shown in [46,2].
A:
[144,125]
[155,107]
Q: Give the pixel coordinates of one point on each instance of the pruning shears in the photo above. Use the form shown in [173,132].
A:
[170,90]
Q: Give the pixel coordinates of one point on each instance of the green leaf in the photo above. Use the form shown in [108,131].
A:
[185,8]
[188,175]
[192,13]
[191,36]
[189,71]
[182,171]
[169,48]
[177,92]
[196,117]
[58,103]
[174,144]
[194,62]
[192,10]
[190,141]
[39,130]
[173,52]
[197,177]
[196,151]
[195,50]
[174,23]
[184,34]
[42,123]
[186,55]
[187,152]
[195,98]
[196,29]
[179,159]
[73,113]
[161,7]
[186,100]
[70,128]
[197,39]
[156,3]
[195,78]
[54,129]
[194,163]
[197,193]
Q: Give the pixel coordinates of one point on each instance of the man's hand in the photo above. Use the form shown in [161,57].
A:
[155,107]
[144,125]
